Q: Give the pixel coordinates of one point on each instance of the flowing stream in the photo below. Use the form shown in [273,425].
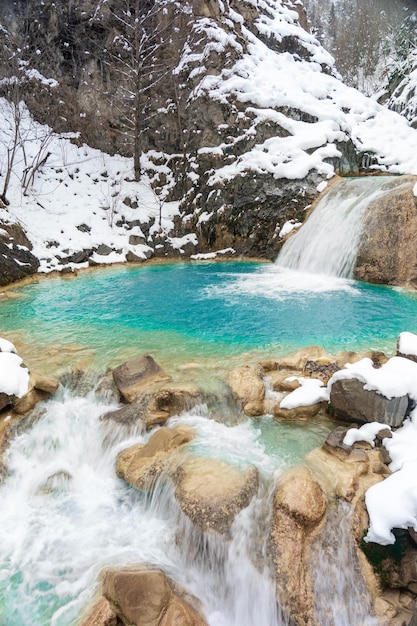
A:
[65,515]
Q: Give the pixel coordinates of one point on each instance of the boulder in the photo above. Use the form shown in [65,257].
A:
[132,377]
[142,464]
[211,492]
[351,401]
[142,595]
[387,253]
[299,507]
[248,388]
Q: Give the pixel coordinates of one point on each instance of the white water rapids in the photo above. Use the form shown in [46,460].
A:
[65,515]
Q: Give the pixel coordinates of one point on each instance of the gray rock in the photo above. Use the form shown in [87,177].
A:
[350,401]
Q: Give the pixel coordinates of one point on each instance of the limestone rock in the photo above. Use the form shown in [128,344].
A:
[141,465]
[387,252]
[211,492]
[248,388]
[298,509]
[283,380]
[143,596]
[350,401]
[28,402]
[132,377]
[39,381]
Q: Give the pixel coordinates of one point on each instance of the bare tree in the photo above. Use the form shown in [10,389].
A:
[15,78]
[133,54]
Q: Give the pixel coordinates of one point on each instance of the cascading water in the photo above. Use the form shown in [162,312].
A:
[340,600]
[328,241]
[65,515]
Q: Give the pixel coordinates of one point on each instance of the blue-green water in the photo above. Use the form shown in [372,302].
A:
[183,312]
[64,513]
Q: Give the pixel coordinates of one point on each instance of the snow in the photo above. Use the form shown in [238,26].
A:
[14,379]
[367,433]
[415,190]
[407,343]
[265,84]
[395,378]
[78,187]
[288,227]
[310,392]
[6,346]
[391,503]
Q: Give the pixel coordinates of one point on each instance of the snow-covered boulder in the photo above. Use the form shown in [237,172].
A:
[364,393]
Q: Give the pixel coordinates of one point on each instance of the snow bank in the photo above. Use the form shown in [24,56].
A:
[407,343]
[14,379]
[311,391]
[80,199]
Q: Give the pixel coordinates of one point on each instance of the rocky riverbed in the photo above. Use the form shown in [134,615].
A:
[210,493]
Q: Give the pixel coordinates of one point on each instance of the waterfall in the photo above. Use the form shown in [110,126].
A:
[328,241]
[340,595]
[65,515]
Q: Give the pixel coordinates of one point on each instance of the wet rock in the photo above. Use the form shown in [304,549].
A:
[298,509]
[132,377]
[211,492]
[387,253]
[17,260]
[142,595]
[248,388]
[350,401]
[142,464]
[152,409]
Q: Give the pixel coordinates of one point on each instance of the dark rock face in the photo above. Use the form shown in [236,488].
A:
[350,401]
[16,259]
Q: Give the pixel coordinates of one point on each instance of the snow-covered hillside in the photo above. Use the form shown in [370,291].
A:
[264,120]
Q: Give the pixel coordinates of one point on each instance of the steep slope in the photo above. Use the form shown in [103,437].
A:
[245,119]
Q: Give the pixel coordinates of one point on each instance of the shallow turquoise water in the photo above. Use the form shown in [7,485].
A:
[212,310]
